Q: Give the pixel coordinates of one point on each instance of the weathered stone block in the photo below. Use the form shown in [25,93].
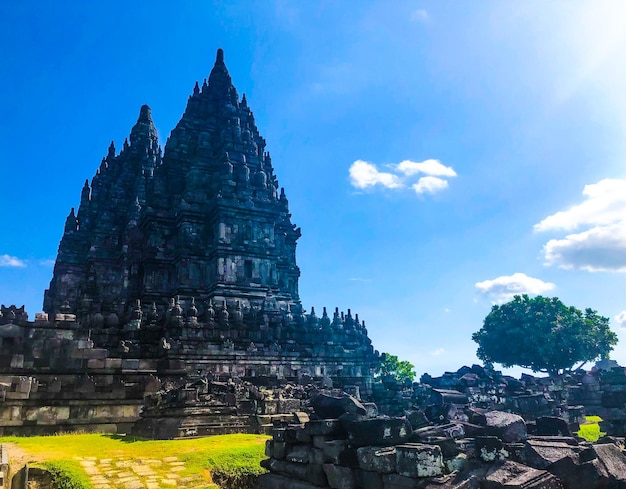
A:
[397,481]
[130,364]
[95,363]
[291,434]
[316,456]
[417,460]
[275,481]
[552,426]
[490,448]
[371,409]
[269,448]
[49,415]
[17,361]
[377,459]
[380,431]
[449,430]
[456,464]
[508,427]
[541,454]
[318,441]
[332,407]
[278,434]
[99,353]
[448,446]
[147,364]
[613,399]
[315,474]
[332,449]
[289,405]
[280,449]
[299,454]
[339,477]
[302,437]
[270,406]
[113,363]
[325,427]
[511,475]
[348,458]
[368,480]
[614,460]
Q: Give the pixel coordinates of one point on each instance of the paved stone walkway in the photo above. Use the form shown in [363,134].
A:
[118,473]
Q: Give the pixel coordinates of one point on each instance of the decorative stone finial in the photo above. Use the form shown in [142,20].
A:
[71,224]
[145,114]
[220,56]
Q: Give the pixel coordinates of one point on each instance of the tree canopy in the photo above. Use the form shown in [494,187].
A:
[543,334]
[401,370]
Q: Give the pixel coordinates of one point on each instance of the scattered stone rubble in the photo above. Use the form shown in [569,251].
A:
[345,444]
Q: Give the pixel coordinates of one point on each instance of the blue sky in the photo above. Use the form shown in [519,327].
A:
[438,155]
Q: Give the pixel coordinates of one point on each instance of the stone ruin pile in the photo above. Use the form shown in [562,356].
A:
[346,444]
[600,392]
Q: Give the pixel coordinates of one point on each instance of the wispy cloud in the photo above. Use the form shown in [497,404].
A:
[620,319]
[504,288]
[437,352]
[359,279]
[426,177]
[429,167]
[602,245]
[47,263]
[419,15]
[11,261]
[364,175]
[430,185]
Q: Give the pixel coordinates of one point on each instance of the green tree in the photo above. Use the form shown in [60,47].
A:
[543,334]
[401,370]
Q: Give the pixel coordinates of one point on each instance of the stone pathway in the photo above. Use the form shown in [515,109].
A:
[120,473]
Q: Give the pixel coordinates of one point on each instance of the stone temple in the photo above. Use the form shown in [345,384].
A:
[178,264]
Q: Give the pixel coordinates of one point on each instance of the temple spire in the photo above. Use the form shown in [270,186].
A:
[220,83]
[144,128]
[145,114]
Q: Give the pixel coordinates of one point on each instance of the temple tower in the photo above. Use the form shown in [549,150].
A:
[206,219]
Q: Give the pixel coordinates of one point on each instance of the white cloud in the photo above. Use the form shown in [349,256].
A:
[47,263]
[430,167]
[600,249]
[503,288]
[364,174]
[437,352]
[620,319]
[605,204]
[419,15]
[402,175]
[430,185]
[11,261]
[602,245]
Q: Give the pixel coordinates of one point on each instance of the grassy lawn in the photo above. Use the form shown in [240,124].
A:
[590,429]
[111,461]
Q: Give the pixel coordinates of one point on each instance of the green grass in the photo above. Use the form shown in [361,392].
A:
[229,457]
[590,429]
[67,474]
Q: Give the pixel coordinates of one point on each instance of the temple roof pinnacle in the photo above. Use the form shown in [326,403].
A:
[145,114]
